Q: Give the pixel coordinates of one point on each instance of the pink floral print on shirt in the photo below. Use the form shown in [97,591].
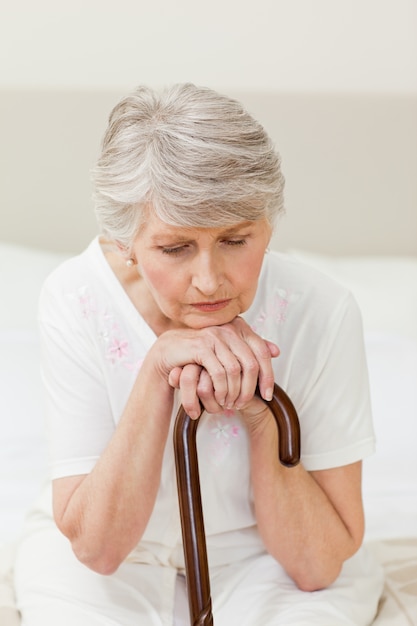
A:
[224,431]
[117,350]
[115,345]
[276,309]
[86,302]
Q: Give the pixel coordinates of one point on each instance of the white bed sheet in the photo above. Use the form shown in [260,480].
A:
[390,477]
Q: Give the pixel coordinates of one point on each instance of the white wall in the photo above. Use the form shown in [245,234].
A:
[291,45]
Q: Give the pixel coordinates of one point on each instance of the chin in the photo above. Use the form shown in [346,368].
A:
[205,321]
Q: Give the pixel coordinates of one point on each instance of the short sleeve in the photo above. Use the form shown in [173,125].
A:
[78,413]
[334,402]
[317,325]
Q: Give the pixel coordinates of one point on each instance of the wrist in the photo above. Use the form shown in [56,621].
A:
[152,381]
[259,422]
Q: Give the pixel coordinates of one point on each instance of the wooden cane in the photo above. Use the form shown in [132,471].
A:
[189,496]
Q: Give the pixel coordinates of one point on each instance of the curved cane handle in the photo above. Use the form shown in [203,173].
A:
[189,496]
[289,440]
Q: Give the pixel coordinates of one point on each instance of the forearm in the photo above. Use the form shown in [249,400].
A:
[300,525]
[107,513]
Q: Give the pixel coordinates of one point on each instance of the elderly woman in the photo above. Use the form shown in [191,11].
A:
[178,301]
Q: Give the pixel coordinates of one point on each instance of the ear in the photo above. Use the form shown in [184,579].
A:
[123,250]
[126,254]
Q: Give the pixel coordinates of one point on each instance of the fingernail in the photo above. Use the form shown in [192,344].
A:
[268,394]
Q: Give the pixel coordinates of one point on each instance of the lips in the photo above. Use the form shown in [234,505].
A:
[218,305]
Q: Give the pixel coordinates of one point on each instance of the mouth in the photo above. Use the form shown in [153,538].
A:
[218,305]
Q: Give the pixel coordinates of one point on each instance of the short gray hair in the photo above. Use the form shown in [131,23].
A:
[190,154]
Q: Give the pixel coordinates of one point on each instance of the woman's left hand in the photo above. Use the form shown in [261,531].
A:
[195,382]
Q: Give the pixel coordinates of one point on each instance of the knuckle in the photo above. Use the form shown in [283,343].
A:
[265,353]
[204,391]
[234,369]
[252,366]
[205,400]
[217,374]
[263,350]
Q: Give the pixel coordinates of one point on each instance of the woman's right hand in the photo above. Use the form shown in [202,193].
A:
[218,367]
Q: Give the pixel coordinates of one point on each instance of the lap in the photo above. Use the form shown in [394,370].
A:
[259,592]
[53,587]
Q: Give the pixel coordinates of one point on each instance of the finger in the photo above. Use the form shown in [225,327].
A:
[174,377]
[231,355]
[198,348]
[214,364]
[205,391]
[263,351]
[188,381]
[266,375]
[246,347]
[249,381]
[273,348]
[239,366]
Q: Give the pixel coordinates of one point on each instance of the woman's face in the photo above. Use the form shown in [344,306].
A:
[199,277]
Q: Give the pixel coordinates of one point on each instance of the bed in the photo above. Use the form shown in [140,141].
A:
[351,206]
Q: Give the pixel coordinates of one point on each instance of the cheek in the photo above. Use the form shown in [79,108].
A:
[248,274]
[164,286]
[247,279]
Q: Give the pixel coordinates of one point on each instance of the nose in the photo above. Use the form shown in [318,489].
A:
[207,273]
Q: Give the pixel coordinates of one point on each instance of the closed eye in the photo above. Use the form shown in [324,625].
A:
[181,249]
[235,242]
[174,250]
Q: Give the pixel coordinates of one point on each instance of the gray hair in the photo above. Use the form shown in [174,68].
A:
[193,156]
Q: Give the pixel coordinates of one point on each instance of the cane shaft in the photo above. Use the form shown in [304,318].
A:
[189,495]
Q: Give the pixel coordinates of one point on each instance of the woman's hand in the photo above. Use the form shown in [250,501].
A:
[232,361]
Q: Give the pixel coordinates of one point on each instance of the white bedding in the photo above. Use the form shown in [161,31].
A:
[386,290]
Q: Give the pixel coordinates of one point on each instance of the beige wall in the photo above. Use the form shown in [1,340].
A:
[335,83]
[350,164]
[285,45]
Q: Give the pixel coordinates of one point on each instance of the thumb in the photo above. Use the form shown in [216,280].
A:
[273,348]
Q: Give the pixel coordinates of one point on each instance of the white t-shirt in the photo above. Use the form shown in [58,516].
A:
[94,341]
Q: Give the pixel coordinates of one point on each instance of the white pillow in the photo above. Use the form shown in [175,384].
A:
[390,475]
[23,454]
[384,287]
[22,273]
